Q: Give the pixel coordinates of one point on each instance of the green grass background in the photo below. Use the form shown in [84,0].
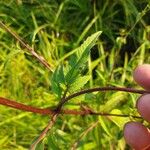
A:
[54,28]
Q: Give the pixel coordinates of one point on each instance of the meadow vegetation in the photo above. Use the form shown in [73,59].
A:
[55,29]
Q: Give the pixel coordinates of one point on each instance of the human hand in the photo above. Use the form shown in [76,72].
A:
[136,134]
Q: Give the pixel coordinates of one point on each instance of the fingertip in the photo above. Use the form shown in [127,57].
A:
[136,135]
[141,75]
[143,106]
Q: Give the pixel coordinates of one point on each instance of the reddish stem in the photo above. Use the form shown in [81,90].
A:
[103,89]
[48,111]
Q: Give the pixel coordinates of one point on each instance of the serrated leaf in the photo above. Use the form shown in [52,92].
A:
[73,60]
[79,83]
[60,74]
[84,49]
[58,78]
[82,55]
[56,88]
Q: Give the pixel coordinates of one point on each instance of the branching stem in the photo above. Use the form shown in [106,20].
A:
[64,99]
[51,122]
[48,111]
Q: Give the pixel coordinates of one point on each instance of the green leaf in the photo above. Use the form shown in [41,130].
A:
[119,121]
[60,74]
[79,83]
[40,146]
[84,49]
[82,54]
[52,144]
[58,79]
[114,100]
[103,125]
[56,88]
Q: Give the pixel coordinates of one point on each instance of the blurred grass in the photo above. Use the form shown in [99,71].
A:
[54,29]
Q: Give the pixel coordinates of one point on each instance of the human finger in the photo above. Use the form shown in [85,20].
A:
[143,106]
[142,76]
[137,136]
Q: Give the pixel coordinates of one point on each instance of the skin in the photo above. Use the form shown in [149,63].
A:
[136,134]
